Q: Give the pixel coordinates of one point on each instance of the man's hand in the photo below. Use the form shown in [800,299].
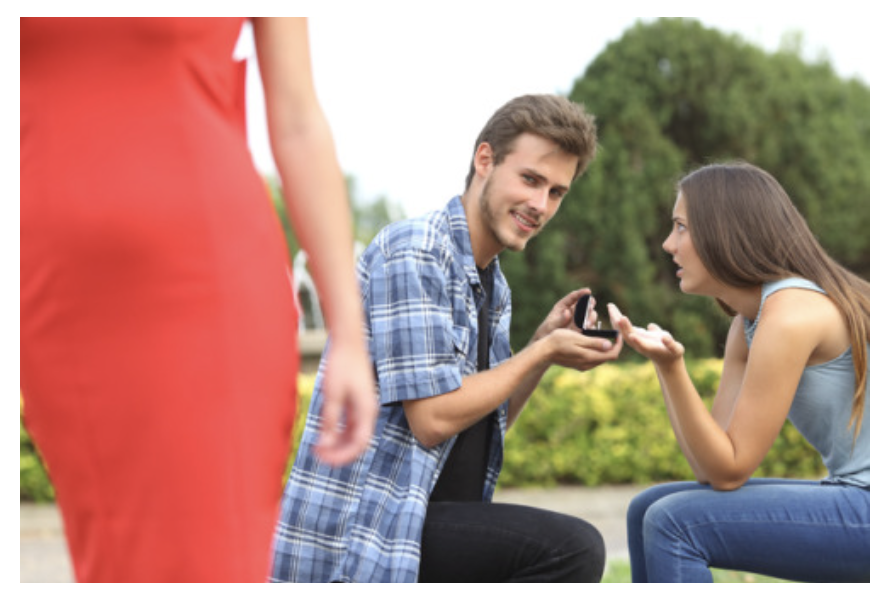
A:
[569,348]
[562,314]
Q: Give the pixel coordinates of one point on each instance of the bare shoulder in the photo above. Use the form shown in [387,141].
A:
[800,306]
[810,317]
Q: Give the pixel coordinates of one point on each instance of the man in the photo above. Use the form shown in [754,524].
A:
[417,505]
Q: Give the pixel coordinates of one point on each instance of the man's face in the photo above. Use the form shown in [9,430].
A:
[524,191]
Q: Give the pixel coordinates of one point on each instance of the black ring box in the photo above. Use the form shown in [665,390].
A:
[580,316]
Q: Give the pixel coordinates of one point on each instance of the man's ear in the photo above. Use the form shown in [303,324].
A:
[484,160]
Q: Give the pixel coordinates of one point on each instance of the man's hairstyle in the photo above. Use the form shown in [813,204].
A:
[555,118]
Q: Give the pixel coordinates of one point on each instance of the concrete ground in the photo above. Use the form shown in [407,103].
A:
[44,557]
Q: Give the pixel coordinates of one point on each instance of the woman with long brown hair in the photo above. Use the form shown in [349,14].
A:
[798,348]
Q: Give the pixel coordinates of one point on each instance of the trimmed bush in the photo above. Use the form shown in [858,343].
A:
[605,426]
[610,426]
[34,485]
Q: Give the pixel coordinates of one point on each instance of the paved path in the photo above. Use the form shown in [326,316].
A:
[44,557]
[604,507]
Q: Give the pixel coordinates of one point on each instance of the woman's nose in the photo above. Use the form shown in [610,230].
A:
[668,244]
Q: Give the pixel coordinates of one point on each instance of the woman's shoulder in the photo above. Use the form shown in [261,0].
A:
[796,302]
[807,315]
[778,297]
[796,299]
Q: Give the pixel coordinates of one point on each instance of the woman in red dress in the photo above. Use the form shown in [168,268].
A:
[158,328]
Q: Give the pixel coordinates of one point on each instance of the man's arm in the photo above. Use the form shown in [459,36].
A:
[435,419]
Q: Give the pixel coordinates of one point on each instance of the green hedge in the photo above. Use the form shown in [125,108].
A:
[609,426]
[606,426]
[33,482]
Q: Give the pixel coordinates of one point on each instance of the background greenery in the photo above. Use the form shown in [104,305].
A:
[606,426]
[669,96]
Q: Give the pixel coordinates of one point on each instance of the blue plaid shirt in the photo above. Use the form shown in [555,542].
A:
[363,522]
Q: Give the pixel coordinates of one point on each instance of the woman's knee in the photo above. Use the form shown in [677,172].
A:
[640,504]
[638,507]
[659,520]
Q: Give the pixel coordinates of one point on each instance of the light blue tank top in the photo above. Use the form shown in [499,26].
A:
[821,408]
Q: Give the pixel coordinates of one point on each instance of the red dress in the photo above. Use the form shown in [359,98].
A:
[158,327]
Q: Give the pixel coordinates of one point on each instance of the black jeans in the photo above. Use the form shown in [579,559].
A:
[498,542]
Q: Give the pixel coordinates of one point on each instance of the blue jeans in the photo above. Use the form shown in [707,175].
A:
[790,529]
[499,542]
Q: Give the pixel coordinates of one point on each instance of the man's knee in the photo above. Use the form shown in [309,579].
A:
[582,550]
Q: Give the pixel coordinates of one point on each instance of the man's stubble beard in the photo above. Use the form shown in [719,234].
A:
[490,221]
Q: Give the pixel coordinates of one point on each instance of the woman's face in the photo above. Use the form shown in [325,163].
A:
[693,276]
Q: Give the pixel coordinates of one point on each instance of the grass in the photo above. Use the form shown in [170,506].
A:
[617,572]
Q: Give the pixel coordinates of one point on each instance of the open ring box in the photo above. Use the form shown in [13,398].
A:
[580,318]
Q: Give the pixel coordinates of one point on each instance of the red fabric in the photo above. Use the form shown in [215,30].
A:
[158,329]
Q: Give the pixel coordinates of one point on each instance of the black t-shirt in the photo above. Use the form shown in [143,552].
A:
[462,478]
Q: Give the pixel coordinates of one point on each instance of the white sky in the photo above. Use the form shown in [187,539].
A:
[406,97]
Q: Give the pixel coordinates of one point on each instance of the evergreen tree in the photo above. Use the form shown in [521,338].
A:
[670,96]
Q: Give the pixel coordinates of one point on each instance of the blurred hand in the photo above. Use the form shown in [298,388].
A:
[348,417]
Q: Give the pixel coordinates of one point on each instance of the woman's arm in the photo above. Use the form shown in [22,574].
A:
[735,359]
[728,444]
[315,196]
[725,400]
[699,473]
[657,344]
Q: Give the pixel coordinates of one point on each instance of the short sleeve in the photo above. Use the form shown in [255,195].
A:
[415,344]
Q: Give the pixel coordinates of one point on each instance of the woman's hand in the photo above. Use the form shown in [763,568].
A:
[656,344]
[348,418]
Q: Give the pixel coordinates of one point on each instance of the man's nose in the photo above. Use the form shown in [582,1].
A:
[540,199]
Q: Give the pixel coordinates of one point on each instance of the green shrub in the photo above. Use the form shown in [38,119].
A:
[605,426]
[34,485]
[610,426]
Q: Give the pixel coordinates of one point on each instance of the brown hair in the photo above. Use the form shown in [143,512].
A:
[555,118]
[747,232]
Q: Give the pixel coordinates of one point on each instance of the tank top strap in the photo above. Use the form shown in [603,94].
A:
[769,289]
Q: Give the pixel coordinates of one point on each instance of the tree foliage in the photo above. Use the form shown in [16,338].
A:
[670,96]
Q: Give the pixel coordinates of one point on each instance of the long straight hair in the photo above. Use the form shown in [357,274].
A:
[748,232]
